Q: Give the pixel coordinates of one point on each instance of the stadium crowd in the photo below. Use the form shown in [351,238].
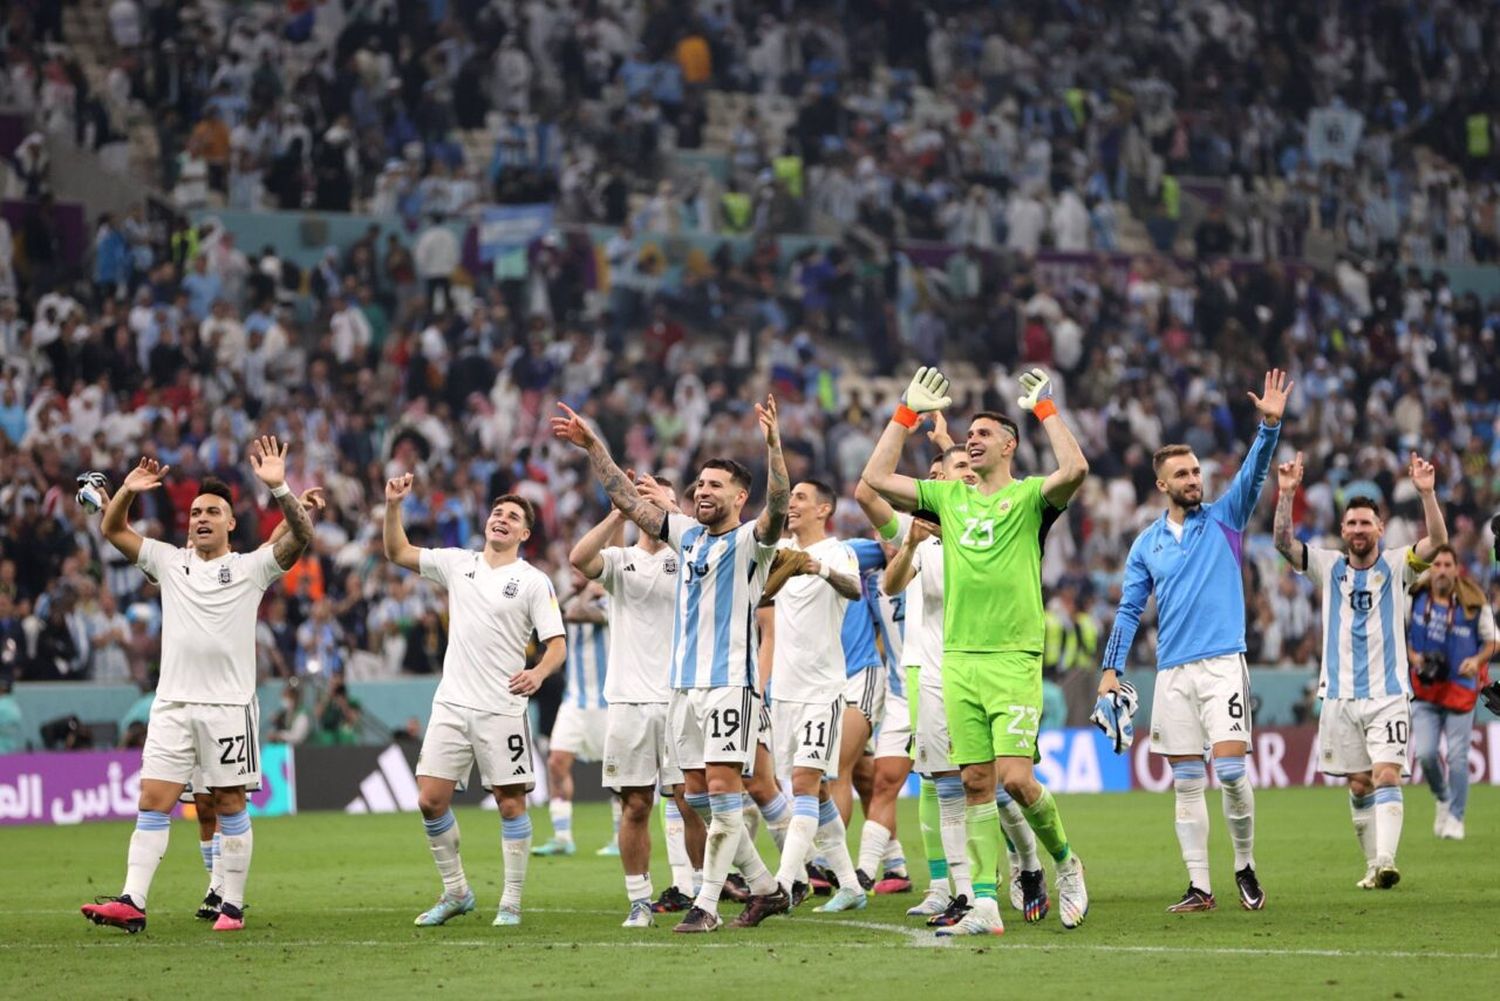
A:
[1365,126]
[181,345]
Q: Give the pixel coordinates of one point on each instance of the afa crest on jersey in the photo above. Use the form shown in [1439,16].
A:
[512,588]
[669,565]
[224,575]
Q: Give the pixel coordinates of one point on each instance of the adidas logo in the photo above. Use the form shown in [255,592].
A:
[1236,729]
[629,568]
[520,770]
[391,788]
[470,575]
[729,747]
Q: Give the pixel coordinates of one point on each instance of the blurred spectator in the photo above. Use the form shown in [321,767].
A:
[292,723]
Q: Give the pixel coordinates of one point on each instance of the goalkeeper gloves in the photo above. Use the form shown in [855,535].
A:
[91,489]
[1037,387]
[928,392]
[1112,715]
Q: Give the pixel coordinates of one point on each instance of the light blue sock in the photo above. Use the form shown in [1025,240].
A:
[774,810]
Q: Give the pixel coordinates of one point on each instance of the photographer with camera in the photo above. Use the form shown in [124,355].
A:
[1452,639]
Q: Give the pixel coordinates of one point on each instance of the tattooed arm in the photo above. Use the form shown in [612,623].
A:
[268,457]
[1288,477]
[622,493]
[778,487]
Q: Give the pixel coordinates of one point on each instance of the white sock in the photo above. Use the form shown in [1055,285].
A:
[1362,809]
[615,810]
[561,812]
[777,814]
[748,861]
[1190,779]
[148,843]
[873,840]
[1018,833]
[515,845]
[216,874]
[801,829]
[893,859]
[677,856]
[638,889]
[1389,813]
[206,849]
[1239,808]
[724,832]
[236,848]
[751,813]
[442,838]
[953,813]
[832,842]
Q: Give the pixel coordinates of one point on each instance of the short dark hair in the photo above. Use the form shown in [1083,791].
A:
[1440,550]
[527,508]
[943,455]
[1000,419]
[736,470]
[1359,501]
[665,482]
[1166,452]
[216,487]
[824,491]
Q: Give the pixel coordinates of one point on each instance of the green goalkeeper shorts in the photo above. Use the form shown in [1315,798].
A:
[994,704]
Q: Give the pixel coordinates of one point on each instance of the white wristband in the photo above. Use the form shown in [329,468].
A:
[280,491]
[823,570]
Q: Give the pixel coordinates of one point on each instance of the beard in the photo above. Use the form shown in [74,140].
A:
[1188,499]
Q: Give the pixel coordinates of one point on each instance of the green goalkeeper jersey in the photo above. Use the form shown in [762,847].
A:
[992,563]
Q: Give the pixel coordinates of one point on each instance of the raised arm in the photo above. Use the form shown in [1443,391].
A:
[268,458]
[1072,468]
[398,549]
[115,524]
[778,486]
[622,493]
[1424,477]
[927,393]
[312,500]
[1288,477]
[903,566]
[587,555]
[1135,591]
[1244,489]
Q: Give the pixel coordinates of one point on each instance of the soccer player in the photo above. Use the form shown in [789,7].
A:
[1191,557]
[206,713]
[641,581]
[993,623]
[1366,719]
[918,568]
[582,717]
[807,690]
[710,715]
[496,601]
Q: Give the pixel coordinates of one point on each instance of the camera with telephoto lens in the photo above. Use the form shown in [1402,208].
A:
[1434,667]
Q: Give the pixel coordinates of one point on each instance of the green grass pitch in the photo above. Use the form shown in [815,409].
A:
[333,898]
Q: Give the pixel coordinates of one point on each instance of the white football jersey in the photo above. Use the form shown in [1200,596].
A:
[714,642]
[1364,623]
[492,612]
[924,614]
[807,662]
[208,615]
[642,588]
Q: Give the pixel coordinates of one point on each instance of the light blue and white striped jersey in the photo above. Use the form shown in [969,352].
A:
[588,664]
[887,612]
[713,631]
[1364,622]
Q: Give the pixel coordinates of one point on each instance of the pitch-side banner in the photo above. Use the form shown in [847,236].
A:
[1287,756]
[72,787]
[507,227]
